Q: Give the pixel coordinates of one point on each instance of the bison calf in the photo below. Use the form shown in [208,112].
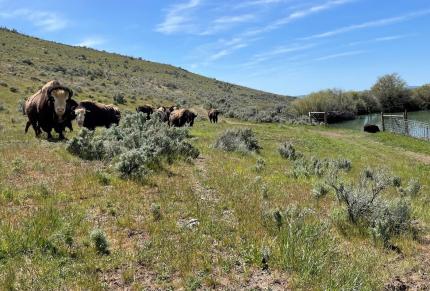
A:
[146,109]
[92,114]
[213,115]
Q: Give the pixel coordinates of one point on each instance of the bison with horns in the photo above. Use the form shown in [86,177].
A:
[50,108]
[182,117]
[92,114]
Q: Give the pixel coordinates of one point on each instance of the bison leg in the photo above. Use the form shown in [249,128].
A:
[27,126]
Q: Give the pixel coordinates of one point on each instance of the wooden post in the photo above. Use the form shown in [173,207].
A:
[382,121]
[310,118]
[325,118]
[405,120]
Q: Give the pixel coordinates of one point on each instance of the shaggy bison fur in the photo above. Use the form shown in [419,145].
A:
[182,117]
[146,109]
[50,108]
[213,115]
[371,128]
[91,114]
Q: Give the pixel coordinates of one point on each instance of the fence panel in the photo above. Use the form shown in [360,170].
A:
[401,125]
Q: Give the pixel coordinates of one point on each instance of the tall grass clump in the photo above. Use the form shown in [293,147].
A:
[240,140]
[136,148]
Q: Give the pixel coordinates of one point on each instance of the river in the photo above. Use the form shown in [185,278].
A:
[360,121]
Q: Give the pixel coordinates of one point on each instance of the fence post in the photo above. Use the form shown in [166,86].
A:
[310,118]
[382,121]
[325,117]
[405,119]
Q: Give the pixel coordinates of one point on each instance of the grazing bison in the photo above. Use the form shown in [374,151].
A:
[213,115]
[163,113]
[182,117]
[147,109]
[91,114]
[371,128]
[50,108]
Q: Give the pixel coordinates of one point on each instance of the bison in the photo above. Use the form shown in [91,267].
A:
[50,108]
[163,113]
[213,115]
[182,117]
[146,109]
[371,128]
[91,114]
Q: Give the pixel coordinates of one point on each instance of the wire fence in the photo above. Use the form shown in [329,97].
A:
[404,126]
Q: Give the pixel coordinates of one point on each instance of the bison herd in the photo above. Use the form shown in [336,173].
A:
[52,107]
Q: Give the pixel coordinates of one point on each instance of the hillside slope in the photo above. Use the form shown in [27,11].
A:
[26,63]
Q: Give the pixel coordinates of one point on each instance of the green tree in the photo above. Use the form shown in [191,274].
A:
[391,92]
[421,96]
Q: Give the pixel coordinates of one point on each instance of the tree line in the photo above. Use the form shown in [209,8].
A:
[390,93]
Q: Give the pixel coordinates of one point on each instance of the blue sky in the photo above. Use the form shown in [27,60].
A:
[285,46]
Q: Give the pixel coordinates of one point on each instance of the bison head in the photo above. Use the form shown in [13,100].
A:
[59,96]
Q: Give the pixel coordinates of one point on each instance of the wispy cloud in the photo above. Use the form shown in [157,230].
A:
[340,55]
[370,24]
[382,39]
[234,19]
[48,21]
[178,18]
[278,51]
[92,42]
[299,14]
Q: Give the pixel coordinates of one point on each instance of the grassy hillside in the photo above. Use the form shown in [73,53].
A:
[26,63]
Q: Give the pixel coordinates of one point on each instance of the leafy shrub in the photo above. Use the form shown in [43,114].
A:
[413,188]
[27,62]
[119,99]
[260,165]
[287,151]
[13,90]
[365,204]
[136,148]
[2,107]
[320,190]
[241,140]
[3,84]
[100,242]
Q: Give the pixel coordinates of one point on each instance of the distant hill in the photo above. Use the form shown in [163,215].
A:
[27,63]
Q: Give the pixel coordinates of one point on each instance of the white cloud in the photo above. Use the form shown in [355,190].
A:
[340,55]
[298,14]
[178,18]
[92,42]
[48,21]
[234,19]
[381,39]
[370,24]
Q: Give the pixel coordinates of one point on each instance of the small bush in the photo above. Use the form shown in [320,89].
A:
[27,62]
[320,190]
[240,140]
[100,242]
[414,188]
[2,107]
[13,90]
[3,84]
[260,165]
[366,205]
[156,212]
[287,151]
[136,148]
[119,99]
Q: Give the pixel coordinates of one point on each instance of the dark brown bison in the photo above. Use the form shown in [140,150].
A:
[163,113]
[213,115]
[371,128]
[182,117]
[91,114]
[146,109]
[50,108]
